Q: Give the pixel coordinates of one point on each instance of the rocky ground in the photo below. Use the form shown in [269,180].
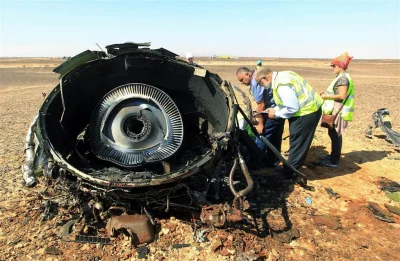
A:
[325,225]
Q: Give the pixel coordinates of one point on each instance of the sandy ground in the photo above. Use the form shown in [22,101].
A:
[346,231]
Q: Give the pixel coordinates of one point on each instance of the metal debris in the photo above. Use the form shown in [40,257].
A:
[388,185]
[50,210]
[180,245]
[142,252]
[92,239]
[286,236]
[379,213]
[381,118]
[200,235]
[138,226]
[66,229]
[332,194]
[393,209]
[219,215]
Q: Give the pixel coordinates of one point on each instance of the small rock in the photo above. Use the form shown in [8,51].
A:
[172,227]
[327,220]
[263,253]
[41,251]
[216,246]
[164,231]
[14,242]
[53,251]
[224,252]
[231,251]
[85,247]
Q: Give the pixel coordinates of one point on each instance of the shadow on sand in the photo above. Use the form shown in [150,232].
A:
[349,162]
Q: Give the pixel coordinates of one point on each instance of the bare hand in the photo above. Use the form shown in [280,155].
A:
[259,128]
[271,113]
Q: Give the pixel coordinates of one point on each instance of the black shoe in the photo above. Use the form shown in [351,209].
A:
[322,162]
[326,162]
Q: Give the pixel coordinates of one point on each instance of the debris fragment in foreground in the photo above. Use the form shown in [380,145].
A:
[92,240]
[393,209]
[379,213]
[332,194]
[66,228]
[138,226]
[381,118]
[180,245]
[286,236]
[142,252]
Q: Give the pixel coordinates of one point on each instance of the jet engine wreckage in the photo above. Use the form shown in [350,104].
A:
[137,130]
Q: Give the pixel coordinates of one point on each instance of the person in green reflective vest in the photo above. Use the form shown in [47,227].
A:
[340,91]
[297,101]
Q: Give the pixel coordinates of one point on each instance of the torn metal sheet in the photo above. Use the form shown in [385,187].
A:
[138,226]
[381,118]
[379,213]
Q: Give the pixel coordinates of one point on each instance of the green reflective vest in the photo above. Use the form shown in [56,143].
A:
[308,98]
[247,126]
[348,109]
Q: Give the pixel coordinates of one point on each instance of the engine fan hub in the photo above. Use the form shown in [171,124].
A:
[135,124]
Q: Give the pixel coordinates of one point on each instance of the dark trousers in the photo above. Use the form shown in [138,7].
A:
[273,130]
[251,152]
[302,131]
[336,146]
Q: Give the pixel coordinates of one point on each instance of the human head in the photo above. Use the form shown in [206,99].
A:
[243,75]
[340,63]
[189,57]
[259,63]
[264,77]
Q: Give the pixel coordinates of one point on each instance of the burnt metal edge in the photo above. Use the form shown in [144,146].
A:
[154,181]
[179,174]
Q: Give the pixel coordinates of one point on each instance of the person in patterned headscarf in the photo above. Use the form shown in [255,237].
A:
[339,95]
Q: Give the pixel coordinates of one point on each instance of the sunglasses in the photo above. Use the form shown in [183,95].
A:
[333,65]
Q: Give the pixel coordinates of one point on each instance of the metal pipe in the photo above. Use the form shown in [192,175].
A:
[246,174]
[235,163]
[27,169]
[48,166]
[236,201]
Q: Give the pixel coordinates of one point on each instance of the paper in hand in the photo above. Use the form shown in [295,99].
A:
[262,112]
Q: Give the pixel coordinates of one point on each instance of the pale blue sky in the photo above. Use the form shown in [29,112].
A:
[307,29]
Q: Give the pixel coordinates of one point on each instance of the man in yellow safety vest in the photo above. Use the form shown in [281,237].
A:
[296,101]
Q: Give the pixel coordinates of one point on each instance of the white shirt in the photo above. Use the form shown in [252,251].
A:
[287,94]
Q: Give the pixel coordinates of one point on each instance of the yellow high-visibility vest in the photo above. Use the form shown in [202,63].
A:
[308,98]
[348,108]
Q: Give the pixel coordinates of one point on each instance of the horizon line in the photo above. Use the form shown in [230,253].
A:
[209,57]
